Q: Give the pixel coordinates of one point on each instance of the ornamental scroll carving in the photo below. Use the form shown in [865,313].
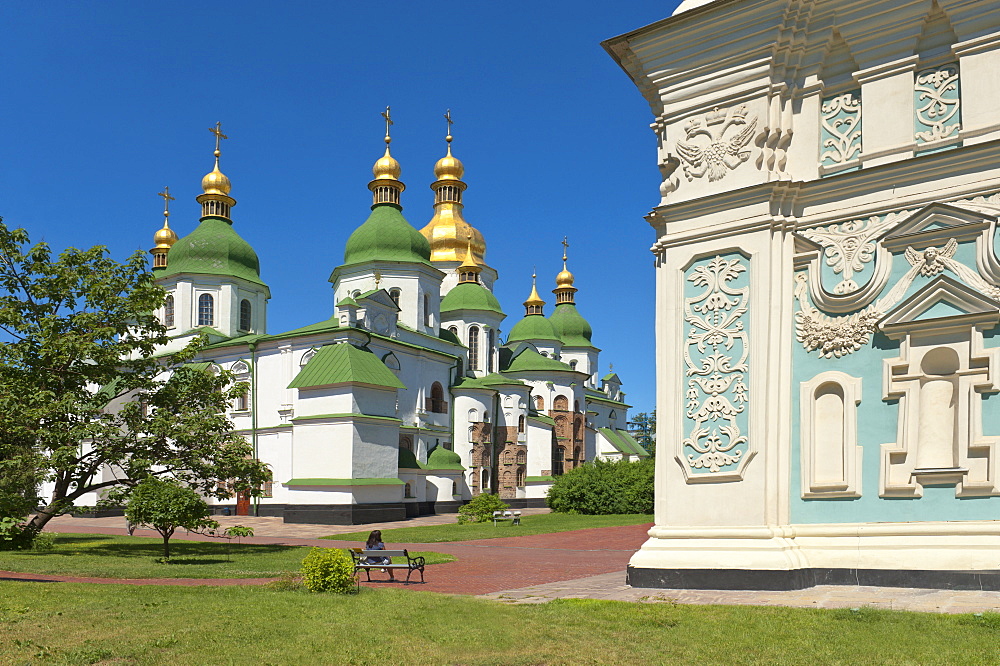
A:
[841,128]
[716,360]
[849,246]
[708,150]
[936,102]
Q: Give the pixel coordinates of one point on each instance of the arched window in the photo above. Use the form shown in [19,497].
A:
[489,351]
[520,423]
[558,460]
[576,405]
[572,364]
[246,315]
[407,490]
[168,312]
[436,403]
[539,403]
[485,486]
[454,487]
[394,295]
[454,330]
[520,477]
[206,310]
[473,416]
[243,401]
[406,442]
[508,458]
[561,403]
[522,457]
[473,348]
[427,310]
[508,480]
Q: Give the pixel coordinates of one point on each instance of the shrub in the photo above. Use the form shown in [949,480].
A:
[15,534]
[328,570]
[481,508]
[604,487]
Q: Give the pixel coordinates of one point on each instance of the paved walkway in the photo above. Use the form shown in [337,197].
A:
[537,568]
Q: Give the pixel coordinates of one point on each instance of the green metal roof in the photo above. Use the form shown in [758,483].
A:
[488,382]
[627,437]
[599,396]
[539,479]
[533,327]
[407,460]
[611,377]
[386,236]
[543,418]
[529,359]
[570,326]
[344,363]
[616,441]
[442,458]
[344,482]
[470,296]
[213,248]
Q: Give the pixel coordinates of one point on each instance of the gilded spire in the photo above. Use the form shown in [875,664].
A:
[534,304]
[164,238]
[214,199]
[470,269]
[386,186]
[564,280]
[447,230]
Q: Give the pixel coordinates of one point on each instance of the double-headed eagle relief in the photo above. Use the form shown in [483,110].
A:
[706,148]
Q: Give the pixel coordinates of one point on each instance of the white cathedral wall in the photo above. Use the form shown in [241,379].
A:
[412,280]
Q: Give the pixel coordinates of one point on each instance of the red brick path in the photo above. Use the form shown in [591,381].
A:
[487,565]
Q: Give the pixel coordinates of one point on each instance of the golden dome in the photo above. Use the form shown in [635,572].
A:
[165,237]
[216,182]
[564,278]
[449,167]
[534,298]
[387,168]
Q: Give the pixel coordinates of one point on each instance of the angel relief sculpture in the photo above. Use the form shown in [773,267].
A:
[707,150]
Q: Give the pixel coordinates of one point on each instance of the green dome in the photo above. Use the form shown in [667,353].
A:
[572,328]
[470,296]
[407,460]
[442,458]
[386,236]
[214,248]
[532,327]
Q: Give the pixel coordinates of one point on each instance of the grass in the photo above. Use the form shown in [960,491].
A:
[104,556]
[81,624]
[538,524]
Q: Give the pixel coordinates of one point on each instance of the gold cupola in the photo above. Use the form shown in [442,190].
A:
[470,269]
[164,238]
[214,198]
[534,305]
[386,186]
[564,280]
[447,231]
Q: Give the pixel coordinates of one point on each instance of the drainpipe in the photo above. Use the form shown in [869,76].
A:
[252,346]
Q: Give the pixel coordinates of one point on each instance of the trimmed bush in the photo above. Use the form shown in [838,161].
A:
[328,570]
[481,508]
[604,487]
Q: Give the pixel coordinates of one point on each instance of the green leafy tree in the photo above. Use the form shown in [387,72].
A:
[165,505]
[81,391]
[644,430]
[604,487]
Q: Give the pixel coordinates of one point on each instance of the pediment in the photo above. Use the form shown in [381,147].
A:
[941,304]
[936,221]
[379,297]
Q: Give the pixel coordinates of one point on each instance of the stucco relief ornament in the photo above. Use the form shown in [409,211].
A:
[707,150]
[937,103]
[841,120]
[931,261]
[832,337]
[716,389]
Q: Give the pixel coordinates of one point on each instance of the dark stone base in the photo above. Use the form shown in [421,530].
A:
[797,579]
[447,507]
[99,513]
[344,514]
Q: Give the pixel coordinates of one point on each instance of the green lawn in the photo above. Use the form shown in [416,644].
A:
[107,556]
[82,624]
[539,524]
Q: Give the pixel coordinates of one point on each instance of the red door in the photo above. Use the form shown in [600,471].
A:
[243,503]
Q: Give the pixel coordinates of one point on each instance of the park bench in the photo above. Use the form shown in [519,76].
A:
[359,555]
[513,516]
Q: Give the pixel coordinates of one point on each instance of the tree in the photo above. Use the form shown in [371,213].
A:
[644,430]
[604,487]
[84,402]
[165,505]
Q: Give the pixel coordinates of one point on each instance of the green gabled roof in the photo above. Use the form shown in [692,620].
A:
[386,236]
[497,379]
[627,437]
[207,330]
[529,359]
[570,326]
[347,300]
[611,377]
[344,363]
[470,296]
[213,248]
[543,418]
[324,326]
[600,396]
[445,334]
[442,458]
[616,441]
[533,327]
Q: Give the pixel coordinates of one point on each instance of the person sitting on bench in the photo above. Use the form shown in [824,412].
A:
[375,543]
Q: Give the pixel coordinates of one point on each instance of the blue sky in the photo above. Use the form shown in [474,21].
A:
[107,102]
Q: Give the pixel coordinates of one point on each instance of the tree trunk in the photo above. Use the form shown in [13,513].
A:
[42,516]
[166,542]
